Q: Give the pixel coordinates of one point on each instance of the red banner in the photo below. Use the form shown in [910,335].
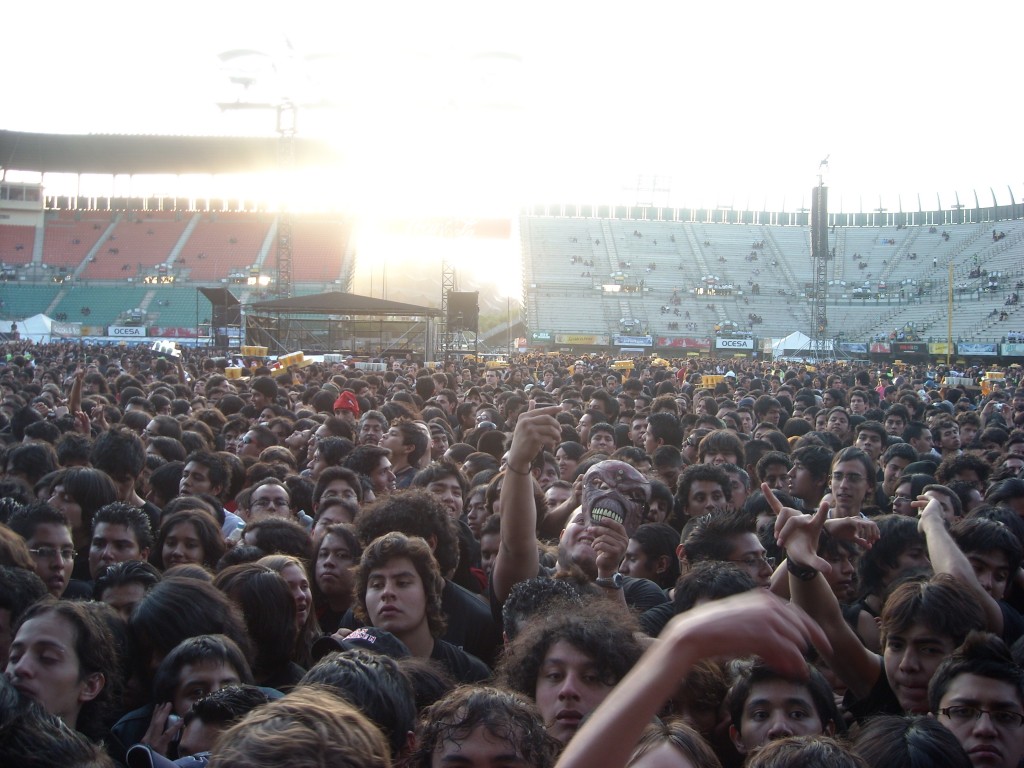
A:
[683,342]
[172,332]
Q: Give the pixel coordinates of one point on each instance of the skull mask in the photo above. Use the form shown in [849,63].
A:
[616,490]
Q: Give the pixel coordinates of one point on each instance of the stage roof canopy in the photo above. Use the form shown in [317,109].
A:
[134,155]
[337,303]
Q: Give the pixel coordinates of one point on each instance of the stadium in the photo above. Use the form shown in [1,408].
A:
[595,278]
[195,222]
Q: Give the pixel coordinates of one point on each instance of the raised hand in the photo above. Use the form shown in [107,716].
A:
[610,543]
[798,533]
[535,429]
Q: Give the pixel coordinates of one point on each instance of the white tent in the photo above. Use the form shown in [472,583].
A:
[36,328]
[798,343]
[795,342]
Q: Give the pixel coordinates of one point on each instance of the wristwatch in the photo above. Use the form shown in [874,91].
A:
[801,572]
[611,582]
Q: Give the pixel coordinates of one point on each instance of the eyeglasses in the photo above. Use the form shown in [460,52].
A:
[1001,717]
[755,561]
[853,477]
[897,499]
[264,503]
[50,553]
[244,440]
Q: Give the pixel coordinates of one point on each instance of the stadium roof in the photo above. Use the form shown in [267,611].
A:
[337,303]
[133,155]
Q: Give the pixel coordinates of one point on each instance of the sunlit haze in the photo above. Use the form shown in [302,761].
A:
[476,109]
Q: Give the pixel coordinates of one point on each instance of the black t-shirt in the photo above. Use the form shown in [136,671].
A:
[470,626]
[464,667]
[77,590]
[285,678]
[403,477]
[642,594]
[1013,623]
[469,557]
[654,620]
[881,700]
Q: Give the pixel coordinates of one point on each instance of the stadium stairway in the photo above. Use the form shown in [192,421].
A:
[839,262]
[905,249]
[52,306]
[37,246]
[102,241]
[147,300]
[179,246]
[268,242]
[698,256]
[610,252]
[778,254]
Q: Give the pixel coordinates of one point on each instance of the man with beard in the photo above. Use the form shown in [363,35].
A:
[614,501]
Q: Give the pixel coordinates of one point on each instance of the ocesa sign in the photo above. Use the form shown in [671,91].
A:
[126,330]
[735,344]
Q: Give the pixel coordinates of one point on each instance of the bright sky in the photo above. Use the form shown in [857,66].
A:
[493,104]
[481,107]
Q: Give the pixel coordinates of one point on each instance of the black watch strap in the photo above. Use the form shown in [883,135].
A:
[802,572]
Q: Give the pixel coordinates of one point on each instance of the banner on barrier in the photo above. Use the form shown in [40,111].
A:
[126,331]
[734,343]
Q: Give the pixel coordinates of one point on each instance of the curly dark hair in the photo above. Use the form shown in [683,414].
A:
[504,714]
[414,513]
[537,595]
[604,633]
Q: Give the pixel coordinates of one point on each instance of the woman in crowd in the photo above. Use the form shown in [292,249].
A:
[293,571]
[188,536]
[335,561]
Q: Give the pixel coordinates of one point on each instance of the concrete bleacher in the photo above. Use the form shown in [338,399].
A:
[318,249]
[223,243]
[138,243]
[21,301]
[17,244]
[673,258]
[903,286]
[177,306]
[557,288]
[105,303]
[70,235]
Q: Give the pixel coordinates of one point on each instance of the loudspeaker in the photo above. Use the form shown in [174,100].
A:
[463,310]
[819,223]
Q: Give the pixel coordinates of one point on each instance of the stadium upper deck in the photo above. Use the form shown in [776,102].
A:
[685,274]
[692,272]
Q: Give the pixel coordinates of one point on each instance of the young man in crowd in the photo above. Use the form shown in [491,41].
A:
[978,694]
[407,444]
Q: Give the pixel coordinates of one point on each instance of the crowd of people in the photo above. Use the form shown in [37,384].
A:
[554,562]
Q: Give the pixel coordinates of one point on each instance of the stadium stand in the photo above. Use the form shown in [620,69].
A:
[323,244]
[687,278]
[20,301]
[581,274]
[17,244]
[138,243]
[69,236]
[106,305]
[224,243]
